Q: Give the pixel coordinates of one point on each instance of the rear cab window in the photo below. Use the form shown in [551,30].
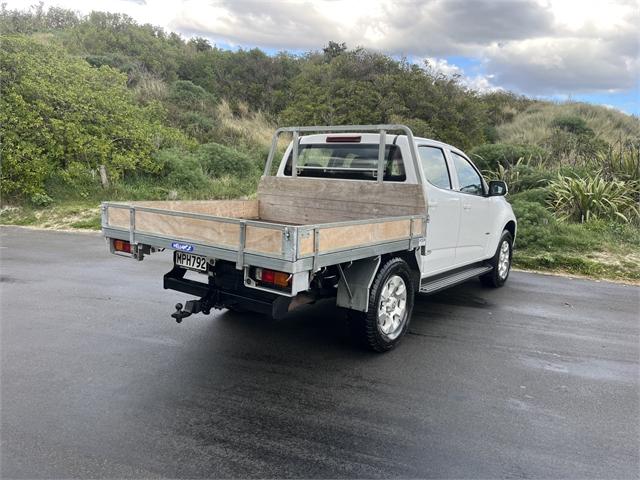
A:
[434,166]
[347,161]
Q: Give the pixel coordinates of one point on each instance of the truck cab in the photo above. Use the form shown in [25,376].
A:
[466,214]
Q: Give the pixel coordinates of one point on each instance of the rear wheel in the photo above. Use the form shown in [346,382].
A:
[390,306]
[501,262]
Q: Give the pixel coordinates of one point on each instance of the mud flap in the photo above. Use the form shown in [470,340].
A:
[355,283]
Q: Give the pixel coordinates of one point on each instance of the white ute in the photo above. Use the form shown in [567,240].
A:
[367,214]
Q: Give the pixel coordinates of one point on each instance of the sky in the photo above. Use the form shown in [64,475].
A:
[554,49]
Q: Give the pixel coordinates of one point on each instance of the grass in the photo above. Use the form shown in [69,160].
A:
[68,212]
[595,249]
[67,216]
[534,125]
[598,265]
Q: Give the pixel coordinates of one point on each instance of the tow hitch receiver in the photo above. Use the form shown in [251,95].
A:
[191,307]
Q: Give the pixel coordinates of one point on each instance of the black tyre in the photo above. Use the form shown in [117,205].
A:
[390,306]
[501,262]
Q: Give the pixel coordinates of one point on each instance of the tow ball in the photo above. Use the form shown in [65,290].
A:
[191,307]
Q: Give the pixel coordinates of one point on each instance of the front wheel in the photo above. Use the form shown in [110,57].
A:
[501,262]
[390,307]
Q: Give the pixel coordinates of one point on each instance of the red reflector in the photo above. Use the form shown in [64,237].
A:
[344,139]
[122,246]
[268,276]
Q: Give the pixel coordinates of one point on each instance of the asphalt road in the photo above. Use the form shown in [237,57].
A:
[537,379]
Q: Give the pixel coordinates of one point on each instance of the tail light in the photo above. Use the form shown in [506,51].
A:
[122,246]
[272,277]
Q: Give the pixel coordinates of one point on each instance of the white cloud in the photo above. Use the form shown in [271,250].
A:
[613,107]
[567,65]
[480,83]
[443,66]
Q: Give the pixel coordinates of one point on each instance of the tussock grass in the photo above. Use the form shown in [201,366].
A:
[243,128]
[149,87]
[535,125]
[246,130]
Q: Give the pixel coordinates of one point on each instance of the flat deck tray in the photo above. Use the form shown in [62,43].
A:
[231,229]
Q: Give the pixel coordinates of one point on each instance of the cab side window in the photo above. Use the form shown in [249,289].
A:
[434,166]
[468,178]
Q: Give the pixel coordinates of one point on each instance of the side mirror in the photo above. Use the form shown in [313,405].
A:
[497,188]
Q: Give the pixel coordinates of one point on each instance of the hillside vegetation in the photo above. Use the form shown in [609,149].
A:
[99,107]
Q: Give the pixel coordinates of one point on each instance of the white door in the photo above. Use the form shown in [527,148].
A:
[444,212]
[475,221]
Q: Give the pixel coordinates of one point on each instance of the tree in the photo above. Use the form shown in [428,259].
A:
[200,44]
[114,34]
[333,49]
[192,109]
[56,110]
[360,86]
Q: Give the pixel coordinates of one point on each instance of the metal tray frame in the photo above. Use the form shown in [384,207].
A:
[290,261]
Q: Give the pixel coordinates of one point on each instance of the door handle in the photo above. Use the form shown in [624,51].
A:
[433,204]
[466,206]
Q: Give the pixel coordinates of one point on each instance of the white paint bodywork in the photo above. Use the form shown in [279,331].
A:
[463,228]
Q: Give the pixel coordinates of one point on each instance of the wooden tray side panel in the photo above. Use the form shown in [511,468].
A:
[118,217]
[263,240]
[307,201]
[350,236]
[246,209]
[306,244]
[417,227]
[191,229]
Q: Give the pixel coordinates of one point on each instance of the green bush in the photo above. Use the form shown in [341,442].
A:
[181,169]
[419,127]
[571,139]
[538,230]
[199,126]
[534,222]
[574,148]
[40,200]
[572,124]
[534,195]
[191,97]
[531,214]
[534,176]
[491,155]
[56,109]
[113,60]
[217,160]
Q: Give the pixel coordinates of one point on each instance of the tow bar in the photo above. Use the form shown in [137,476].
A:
[191,307]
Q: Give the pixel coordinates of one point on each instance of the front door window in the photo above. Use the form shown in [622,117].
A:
[469,180]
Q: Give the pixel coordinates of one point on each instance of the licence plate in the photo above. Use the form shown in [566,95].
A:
[190,261]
